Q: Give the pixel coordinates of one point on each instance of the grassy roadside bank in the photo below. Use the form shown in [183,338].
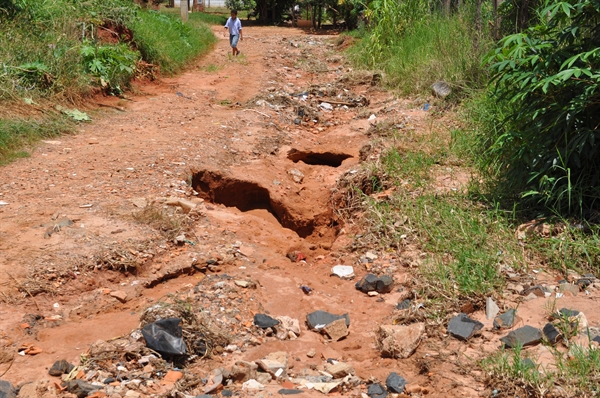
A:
[60,54]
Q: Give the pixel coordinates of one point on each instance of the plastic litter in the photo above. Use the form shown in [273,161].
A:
[165,337]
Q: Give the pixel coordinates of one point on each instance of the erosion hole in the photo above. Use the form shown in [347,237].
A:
[246,196]
[315,158]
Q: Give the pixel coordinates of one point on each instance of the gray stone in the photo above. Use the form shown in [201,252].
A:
[506,320]
[319,319]
[80,388]
[491,308]
[7,390]
[568,287]
[441,89]
[60,367]
[537,290]
[385,284]
[395,383]
[376,390]
[404,305]
[551,333]
[264,321]
[289,391]
[368,283]
[462,327]
[526,335]
[568,313]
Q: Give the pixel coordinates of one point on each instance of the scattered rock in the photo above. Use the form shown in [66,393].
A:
[537,290]
[400,341]
[404,305]
[80,388]
[551,333]
[376,390]
[274,363]
[491,308]
[264,321]
[60,367]
[119,295]
[395,383]
[462,327]
[7,390]
[311,353]
[441,89]
[319,319]
[296,175]
[526,335]
[343,271]
[185,205]
[289,328]
[139,202]
[506,320]
[252,385]
[289,391]
[568,287]
[336,330]
[172,377]
[243,371]
[215,381]
[371,282]
[339,370]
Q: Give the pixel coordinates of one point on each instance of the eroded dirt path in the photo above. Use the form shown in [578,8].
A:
[245,141]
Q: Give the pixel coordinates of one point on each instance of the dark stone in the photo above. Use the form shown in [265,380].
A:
[264,321]
[596,339]
[204,396]
[227,393]
[506,320]
[324,318]
[297,121]
[551,333]
[289,391]
[80,388]
[462,327]
[395,383]
[7,390]
[404,305]
[109,380]
[537,290]
[526,335]
[567,312]
[368,283]
[60,367]
[306,289]
[376,390]
[385,284]
[584,283]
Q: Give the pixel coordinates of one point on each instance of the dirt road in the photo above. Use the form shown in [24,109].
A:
[83,243]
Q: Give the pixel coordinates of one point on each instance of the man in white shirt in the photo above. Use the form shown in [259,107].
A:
[235,31]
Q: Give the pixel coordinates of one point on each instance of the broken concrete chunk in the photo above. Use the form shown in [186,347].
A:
[462,327]
[343,271]
[376,390]
[119,295]
[296,175]
[491,308]
[289,328]
[60,367]
[551,333]
[336,330]
[395,383]
[400,341]
[339,370]
[506,320]
[319,319]
[252,385]
[526,335]
[275,364]
[264,321]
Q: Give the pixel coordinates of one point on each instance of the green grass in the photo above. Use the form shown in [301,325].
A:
[164,40]
[15,134]
[437,48]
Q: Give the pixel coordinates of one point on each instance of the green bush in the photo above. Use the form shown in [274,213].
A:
[165,41]
[544,151]
[112,65]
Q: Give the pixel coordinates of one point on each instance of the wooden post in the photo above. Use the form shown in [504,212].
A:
[183,7]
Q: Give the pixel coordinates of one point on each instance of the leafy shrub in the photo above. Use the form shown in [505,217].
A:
[113,65]
[547,83]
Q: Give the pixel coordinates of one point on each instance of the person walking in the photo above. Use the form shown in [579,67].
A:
[235,31]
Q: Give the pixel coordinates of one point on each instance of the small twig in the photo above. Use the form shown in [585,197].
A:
[254,110]
[112,106]
[26,290]
[340,103]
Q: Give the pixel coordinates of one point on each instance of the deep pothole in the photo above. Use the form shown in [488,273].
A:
[317,158]
[247,196]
